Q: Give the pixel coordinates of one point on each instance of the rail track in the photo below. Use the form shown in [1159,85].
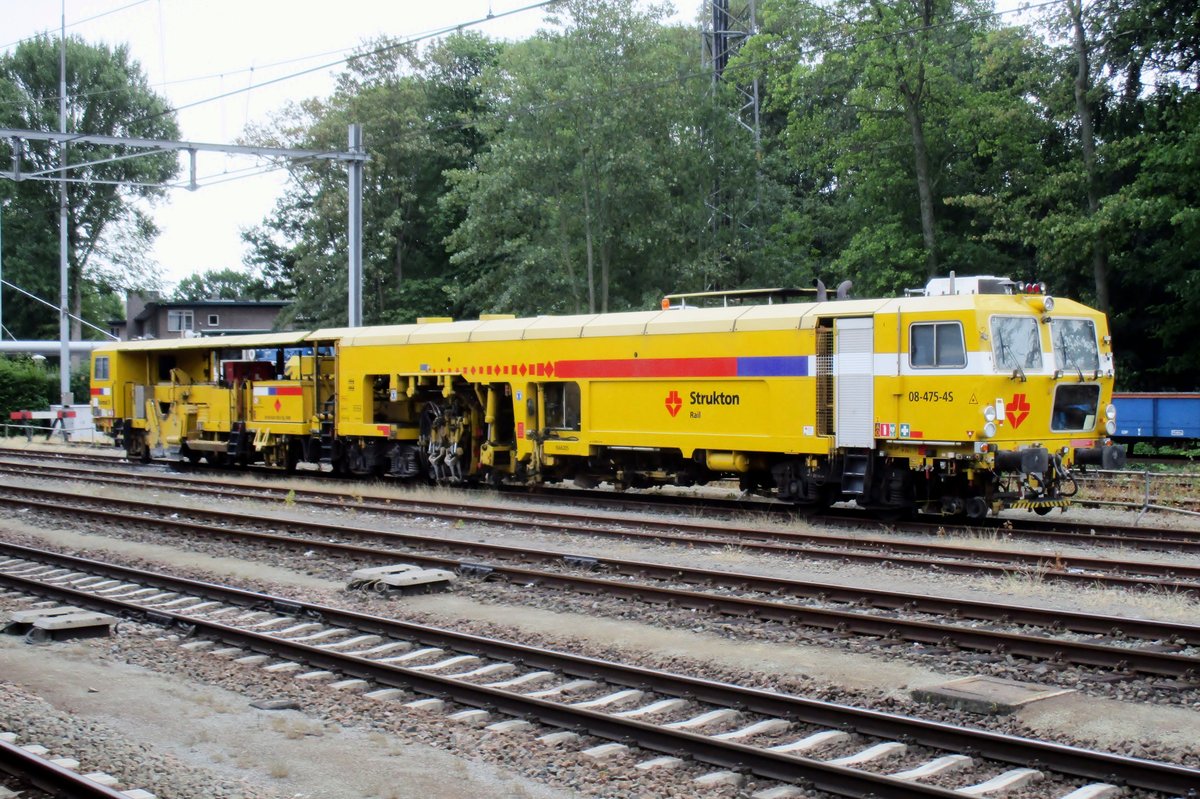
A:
[32,768]
[951,558]
[845,751]
[1122,644]
[746,520]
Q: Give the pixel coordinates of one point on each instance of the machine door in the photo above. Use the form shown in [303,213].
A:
[854,399]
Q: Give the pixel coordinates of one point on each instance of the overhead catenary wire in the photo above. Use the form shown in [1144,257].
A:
[346,59]
[79,22]
[580,100]
[343,59]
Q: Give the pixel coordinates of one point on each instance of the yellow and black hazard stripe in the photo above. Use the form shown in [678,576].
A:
[1040,503]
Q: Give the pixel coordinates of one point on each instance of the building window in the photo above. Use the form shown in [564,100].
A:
[178,321]
[213,320]
[936,346]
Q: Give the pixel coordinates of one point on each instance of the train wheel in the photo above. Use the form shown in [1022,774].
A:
[293,455]
[976,508]
[137,448]
[189,454]
[952,506]
[1043,510]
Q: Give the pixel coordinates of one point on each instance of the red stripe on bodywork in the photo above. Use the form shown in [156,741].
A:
[649,367]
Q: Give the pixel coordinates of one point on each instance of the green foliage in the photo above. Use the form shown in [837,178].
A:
[892,109]
[26,385]
[614,173]
[1189,450]
[222,284]
[418,112]
[108,233]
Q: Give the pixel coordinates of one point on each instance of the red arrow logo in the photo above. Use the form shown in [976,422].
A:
[1018,409]
[673,403]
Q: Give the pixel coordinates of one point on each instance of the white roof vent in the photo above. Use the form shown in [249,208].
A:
[974,284]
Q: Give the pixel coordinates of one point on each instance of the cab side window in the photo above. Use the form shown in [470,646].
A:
[936,345]
[100,370]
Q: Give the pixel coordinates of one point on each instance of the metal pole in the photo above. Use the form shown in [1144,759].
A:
[354,229]
[3,203]
[64,323]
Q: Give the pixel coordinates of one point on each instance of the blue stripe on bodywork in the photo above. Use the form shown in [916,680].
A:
[773,366]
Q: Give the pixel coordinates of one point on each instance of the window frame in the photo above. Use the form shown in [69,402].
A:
[214,320]
[1095,339]
[935,324]
[178,316]
[1041,364]
[1056,410]
[567,391]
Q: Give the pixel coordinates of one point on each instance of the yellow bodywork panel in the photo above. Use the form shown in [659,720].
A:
[937,408]
[693,390]
[281,405]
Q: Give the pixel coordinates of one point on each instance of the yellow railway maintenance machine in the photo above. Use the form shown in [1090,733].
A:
[973,396]
[233,399]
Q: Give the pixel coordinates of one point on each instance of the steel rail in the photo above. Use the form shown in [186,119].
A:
[558,519]
[936,633]
[51,777]
[997,746]
[1052,566]
[1078,533]
[1079,622]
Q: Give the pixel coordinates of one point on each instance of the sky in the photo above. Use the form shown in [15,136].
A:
[193,50]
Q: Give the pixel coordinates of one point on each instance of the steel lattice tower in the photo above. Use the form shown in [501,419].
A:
[728,24]
[727,27]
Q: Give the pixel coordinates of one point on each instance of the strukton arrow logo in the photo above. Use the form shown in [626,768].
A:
[1018,409]
[673,403]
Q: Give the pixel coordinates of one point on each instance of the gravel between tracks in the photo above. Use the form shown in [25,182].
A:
[1093,682]
[697,645]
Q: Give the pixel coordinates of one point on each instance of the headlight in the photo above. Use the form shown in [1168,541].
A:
[1110,427]
[989,413]
[1110,412]
[989,430]
[1048,304]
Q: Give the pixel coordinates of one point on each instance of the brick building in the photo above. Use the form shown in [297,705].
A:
[148,316]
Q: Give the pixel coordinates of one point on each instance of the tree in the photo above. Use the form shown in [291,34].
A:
[1108,210]
[590,195]
[222,284]
[1084,111]
[891,109]
[418,112]
[108,234]
[1145,57]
